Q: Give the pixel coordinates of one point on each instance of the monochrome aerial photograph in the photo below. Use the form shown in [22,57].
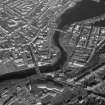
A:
[52,52]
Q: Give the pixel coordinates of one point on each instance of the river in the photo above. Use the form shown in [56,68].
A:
[83,10]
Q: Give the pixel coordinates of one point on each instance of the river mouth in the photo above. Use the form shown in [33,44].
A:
[83,10]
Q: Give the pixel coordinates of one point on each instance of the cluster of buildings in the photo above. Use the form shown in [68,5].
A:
[81,42]
[26,31]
